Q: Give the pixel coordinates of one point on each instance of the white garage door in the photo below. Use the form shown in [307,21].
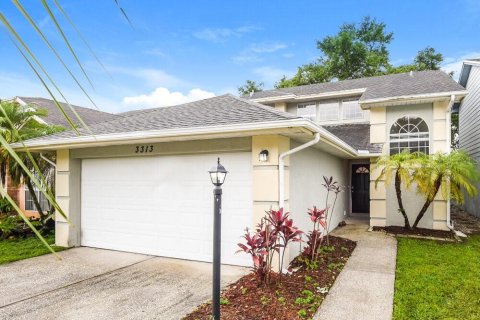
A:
[163,205]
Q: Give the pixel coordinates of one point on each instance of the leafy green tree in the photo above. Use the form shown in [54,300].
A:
[249,87]
[398,166]
[357,51]
[306,74]
[426,59]
[18,123]
[449,173]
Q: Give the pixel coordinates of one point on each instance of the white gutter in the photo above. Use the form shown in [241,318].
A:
[415,96]
[330,94]
[281,167]
[125,137]
[449,143]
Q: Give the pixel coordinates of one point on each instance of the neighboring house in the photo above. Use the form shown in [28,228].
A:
[140,182]
[54,117]
[469,121]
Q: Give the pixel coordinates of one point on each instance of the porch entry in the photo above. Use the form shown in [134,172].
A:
[360,188]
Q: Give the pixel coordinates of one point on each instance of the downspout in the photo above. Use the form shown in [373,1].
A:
[48,160]
[448,123]
[281,167]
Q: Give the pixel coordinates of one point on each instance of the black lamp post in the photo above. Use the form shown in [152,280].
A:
[217,174]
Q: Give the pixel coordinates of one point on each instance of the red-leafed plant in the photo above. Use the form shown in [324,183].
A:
[318,217]
[286,231]
[274,232]
[331,186]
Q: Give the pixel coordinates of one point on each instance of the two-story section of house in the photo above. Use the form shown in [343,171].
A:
[375,116]
[469,121]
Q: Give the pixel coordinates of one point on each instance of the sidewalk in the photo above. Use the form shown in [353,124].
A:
[364,289]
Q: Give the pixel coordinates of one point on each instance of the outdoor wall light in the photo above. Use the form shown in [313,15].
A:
[263,156]
[218,174]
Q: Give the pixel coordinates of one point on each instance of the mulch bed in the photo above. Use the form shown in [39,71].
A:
[397,230]
[298,296]
[465,222]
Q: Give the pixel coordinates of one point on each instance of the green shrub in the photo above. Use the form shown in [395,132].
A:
[8,226]
[5,206]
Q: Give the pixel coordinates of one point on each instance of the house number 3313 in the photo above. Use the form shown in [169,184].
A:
[143,149]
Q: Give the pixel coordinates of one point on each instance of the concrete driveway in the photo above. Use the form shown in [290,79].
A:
[102,284]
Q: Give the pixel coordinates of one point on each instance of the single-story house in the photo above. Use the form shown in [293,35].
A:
[54,116]
[139,183]
[469,121]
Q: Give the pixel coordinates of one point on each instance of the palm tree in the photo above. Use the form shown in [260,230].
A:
[451,173]
[18,123]
[399,166]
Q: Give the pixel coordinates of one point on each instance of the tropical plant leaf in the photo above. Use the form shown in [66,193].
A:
[28,222]
[124,14]
[80,35]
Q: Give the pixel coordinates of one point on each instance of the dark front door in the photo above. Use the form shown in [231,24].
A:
[360,188]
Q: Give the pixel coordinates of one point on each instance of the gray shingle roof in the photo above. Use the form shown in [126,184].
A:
[387,86]
[357,135]
[56,117]
[222,110]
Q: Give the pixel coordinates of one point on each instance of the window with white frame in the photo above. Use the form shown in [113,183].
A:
[409,133]
[328,111]
[307,111]
[30,204]
[351,110]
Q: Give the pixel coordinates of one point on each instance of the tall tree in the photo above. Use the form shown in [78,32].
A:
[249,87]
[426,59]
[18,123]
[356,51]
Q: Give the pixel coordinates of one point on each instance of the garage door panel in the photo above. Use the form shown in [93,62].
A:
[163,205]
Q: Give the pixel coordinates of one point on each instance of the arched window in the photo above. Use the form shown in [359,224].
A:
[362,170]
[409,133]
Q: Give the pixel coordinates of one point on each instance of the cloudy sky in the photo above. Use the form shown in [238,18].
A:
[179,51]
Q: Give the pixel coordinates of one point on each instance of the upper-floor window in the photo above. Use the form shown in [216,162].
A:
[307,111]
[351,110]
[409,133]
[328,111]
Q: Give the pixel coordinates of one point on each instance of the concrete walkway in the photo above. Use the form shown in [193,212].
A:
[364,289]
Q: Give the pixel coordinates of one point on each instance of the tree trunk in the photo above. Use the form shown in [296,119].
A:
[398,191]
[427,203]
[34,197]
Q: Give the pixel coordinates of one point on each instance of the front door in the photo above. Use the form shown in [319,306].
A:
[360,188]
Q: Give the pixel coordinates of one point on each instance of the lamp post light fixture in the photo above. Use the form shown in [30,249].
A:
[218,174]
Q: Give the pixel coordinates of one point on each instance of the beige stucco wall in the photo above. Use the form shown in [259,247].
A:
[307,169]
[265,174]
[67,194]
[383,203]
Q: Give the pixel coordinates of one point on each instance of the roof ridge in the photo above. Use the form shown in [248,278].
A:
[350,80]
[64,102]
[264,107]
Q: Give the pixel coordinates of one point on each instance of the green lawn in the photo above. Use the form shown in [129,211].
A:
[437,280]
[18,249]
